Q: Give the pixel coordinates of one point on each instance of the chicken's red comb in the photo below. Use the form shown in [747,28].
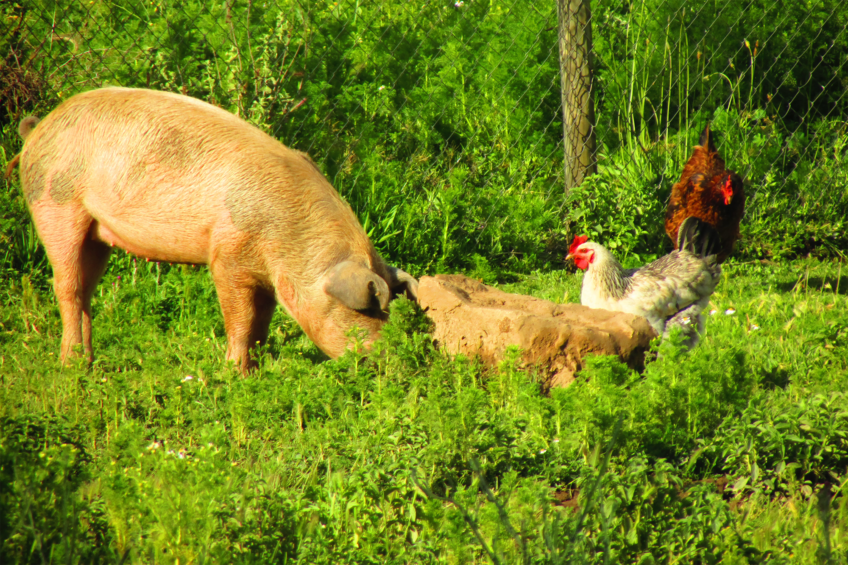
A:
[578,241]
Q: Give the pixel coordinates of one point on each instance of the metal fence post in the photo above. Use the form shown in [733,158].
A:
[578,109]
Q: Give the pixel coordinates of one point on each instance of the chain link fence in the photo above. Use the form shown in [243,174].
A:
[441,122]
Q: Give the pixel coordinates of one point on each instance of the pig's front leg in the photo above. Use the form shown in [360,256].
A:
[247,308]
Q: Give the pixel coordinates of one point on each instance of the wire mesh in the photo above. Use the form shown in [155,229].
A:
[441,122]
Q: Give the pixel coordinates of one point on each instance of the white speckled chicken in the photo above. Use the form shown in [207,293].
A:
[671,291]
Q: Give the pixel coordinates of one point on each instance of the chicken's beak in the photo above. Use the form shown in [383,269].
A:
[569,256]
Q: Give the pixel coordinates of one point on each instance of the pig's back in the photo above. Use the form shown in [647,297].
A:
[148,162]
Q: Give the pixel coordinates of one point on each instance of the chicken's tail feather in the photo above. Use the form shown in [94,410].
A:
[698,237]
[706,139]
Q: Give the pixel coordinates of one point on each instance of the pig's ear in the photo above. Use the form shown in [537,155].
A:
[401,281]
[357,286]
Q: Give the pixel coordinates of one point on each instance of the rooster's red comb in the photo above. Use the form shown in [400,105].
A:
[578,241]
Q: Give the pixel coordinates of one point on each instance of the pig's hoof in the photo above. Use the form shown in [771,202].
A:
[76,358]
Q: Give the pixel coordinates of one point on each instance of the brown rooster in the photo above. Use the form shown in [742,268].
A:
[710,192]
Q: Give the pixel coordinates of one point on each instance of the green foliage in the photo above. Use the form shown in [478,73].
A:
[21,250]
[659,62]
[665,69]
[620,208]
[439,123]
[778,443]
[681,397]
[438,140]
[46,511]
[160,452]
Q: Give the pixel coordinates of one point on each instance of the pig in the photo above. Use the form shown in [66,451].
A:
[171,178]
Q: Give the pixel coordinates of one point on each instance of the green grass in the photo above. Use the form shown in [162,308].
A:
[735,452]
[440,126]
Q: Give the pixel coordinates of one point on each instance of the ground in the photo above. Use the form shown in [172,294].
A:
[159,452]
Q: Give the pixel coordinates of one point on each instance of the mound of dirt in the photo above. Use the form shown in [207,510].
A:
[478,320]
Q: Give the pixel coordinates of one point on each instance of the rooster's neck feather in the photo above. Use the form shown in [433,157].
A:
[608,274]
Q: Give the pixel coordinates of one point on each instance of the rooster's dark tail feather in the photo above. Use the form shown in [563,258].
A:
[706,139]
[698,237]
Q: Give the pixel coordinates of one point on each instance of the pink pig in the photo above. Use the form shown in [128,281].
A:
[172,178]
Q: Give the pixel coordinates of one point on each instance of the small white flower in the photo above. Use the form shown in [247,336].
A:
[541,451]
[458,4]
[713,312]
[188,378]
[181,454]
[754,327]
[556,440]
[686,320]
[730,311]
[381,88]
[154,445]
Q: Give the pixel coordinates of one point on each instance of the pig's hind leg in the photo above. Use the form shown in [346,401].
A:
[247,308]
[78,263]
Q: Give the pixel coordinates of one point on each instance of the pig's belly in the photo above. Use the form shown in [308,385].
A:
[155,241]
[160,221]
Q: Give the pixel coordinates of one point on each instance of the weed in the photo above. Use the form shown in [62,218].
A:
[403,454]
